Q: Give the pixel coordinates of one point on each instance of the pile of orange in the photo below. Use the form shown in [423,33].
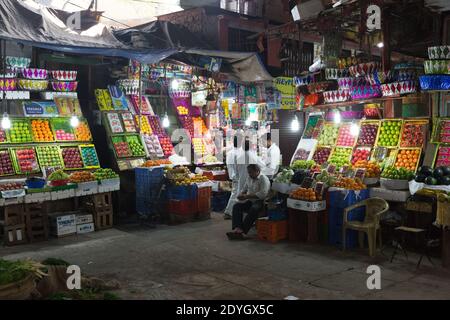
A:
[349,184]
[183,111]
[145,129]
[83,133]
[373,170]
[306,194]
[156,163]
[41,130]
[408,158]
[199,124]
[82,176]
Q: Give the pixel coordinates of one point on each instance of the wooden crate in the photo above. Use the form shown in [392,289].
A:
[36,222]
[13,215]
[272,231]
[14,234]
[101,207]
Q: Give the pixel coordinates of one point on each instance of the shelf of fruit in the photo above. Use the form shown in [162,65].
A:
[25,160]
[63,130]
[105,174]
[313,127]
[408,158]
[49,156]
[389,134]
[373,170]
[368,133]
[321,155]
[164,140]
[414,133]
[441,131]
[81,177]
[361,154]
[340,156]
[442,156]
[349,184]
[306,194]
[329,134]
[345,137]
[156,163]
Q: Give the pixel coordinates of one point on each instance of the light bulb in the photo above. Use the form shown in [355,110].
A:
[248,122]
[6,122]
[337,117]
[354,129]
[175,84]
[380,44]
[74,122]
[295,125]
[166,121]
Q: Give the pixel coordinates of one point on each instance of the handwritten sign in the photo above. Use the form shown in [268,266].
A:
[307,183]
[360,173]
[331,169]
[286,87]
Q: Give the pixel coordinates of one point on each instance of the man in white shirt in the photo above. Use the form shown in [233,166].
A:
[273,159]
[232,160]
[251,200]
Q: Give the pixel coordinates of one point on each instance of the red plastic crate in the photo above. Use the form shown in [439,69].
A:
[204,200]
[272,231]
[182,207]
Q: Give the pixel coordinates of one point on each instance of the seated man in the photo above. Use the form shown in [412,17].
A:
[251,200]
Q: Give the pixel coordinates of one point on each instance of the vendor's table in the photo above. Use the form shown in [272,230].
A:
[390,195]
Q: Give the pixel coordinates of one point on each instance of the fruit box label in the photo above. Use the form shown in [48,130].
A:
[85,228]
[444,150]
[360,173]
[331,169]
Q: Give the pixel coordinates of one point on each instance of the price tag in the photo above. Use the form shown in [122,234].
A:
[319,188]
[331,169]
[307,183]
[123,165]
[344,169]
[360,173]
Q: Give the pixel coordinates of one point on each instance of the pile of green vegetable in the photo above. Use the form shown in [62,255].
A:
[13,271]
[397,174]
[284,176]
[302,164]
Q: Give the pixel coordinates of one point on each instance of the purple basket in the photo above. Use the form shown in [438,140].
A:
[365,92]
[435,82]
[65,86]
[34,74]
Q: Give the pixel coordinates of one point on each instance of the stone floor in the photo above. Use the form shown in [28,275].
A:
[196,261]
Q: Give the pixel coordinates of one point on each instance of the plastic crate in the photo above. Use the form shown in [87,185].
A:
[204,200]
[219,201]
[148,176]
[182,207]
[272,231]
[182,192]
[277,214]
[145,206]
[346,198]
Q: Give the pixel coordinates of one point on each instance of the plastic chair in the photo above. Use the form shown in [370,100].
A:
[375,207]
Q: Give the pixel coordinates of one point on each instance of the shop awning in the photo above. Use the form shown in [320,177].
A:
[163,35]
[40,27]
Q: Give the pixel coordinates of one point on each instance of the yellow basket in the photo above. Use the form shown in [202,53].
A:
[443,210]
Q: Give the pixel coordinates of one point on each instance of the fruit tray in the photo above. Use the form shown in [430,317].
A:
[389,133]
[42,131]
[340,156]
[321,155]
[384,156]
[115,124]
[6,163]
[329,134]
[368,133]
[408,158]
[442,157]
[72,158]
[135,145]
[128,122]
[89,156]
[414,133]
[152,146]
[345,138]
[62,129]
[82,132]
[361,153]
[20,131]
[313,127]
[49,156]
[144,125]
[121,147]
[25,160]
[441,131]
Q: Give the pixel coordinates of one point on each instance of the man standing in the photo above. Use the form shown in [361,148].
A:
[232,161]
[251,200]
[273,159]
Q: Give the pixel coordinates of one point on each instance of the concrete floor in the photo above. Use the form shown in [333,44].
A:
[196,261]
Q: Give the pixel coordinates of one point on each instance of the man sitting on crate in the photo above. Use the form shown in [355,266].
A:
[251,200]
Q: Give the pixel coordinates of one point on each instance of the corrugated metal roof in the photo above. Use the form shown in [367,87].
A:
[438,5]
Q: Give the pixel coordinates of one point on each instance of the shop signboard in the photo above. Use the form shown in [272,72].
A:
[40,109]
[286,86]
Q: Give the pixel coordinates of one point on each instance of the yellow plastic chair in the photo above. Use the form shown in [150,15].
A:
[375,208]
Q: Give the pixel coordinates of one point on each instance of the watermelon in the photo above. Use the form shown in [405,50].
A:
[425,170]
[431,181]
[420,178]
[438,173]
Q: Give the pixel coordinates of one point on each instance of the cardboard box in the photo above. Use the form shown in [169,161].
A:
[51,95]
[310,206]
[84,218]
[85,228]
[390,195]
[63,225]
[86,188]
[38,197]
